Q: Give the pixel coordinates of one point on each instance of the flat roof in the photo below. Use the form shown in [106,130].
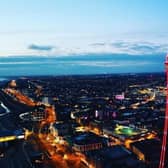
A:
[115,152]
[149,146]
[85,138]
[115,156]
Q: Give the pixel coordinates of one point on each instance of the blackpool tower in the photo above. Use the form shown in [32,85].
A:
[164,141]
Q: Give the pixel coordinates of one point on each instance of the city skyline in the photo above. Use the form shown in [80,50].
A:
[83,84]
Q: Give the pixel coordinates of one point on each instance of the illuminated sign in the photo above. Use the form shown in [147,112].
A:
[120,97]
[96,113]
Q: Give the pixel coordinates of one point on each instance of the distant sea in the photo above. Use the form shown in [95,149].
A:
[3,79]
[80,64]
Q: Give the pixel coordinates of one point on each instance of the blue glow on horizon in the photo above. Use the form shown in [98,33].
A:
[80,28]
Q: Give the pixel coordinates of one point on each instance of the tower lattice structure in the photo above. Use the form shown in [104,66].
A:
[165,131]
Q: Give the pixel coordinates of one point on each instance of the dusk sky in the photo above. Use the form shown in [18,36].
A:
[83,27]
[76,26]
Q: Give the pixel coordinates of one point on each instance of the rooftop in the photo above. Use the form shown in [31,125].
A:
[148,146]
[115,152]
[85,138]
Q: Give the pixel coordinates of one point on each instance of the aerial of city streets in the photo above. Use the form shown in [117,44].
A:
[94,121]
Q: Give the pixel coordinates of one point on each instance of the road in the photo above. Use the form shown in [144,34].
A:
[14,156]
[6,109]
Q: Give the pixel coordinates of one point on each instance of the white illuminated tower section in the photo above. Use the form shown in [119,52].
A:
[164,141]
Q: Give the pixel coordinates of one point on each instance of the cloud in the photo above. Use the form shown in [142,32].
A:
[114,63]
[148,48]
[139,47]
[40,47]
[100,47]
[126,47]
[98,44]
[120,44]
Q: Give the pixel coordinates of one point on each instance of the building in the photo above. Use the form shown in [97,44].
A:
[39,113]
[123,133]
[86,141]
[113,157]
[148,151]
[60,129]
[47,100]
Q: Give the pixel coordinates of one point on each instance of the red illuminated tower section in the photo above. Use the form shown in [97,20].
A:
[164,141]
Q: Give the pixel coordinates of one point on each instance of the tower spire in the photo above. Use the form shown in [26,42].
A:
[164,141]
